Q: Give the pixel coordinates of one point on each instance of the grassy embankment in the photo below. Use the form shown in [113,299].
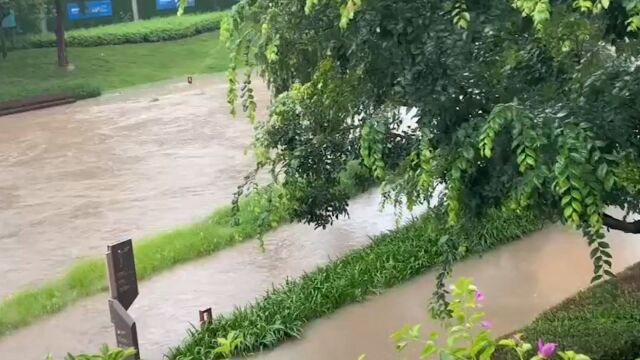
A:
[32,72]
[602,321]
[391,259]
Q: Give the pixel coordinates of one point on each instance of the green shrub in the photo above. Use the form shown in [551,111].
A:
[602,321]
[152,30]
[391,259]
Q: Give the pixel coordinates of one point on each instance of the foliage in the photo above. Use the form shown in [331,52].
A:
[601,321]
[31,72]
[105,354]
[143,31]
[469,336]
[515,103]
[390,259]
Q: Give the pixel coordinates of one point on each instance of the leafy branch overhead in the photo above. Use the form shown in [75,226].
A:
[505,104]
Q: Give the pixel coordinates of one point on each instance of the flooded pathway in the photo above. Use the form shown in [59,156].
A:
[78,177]
[75,178]
[169,302]
[520,280]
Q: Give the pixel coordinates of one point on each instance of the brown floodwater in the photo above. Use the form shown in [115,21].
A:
[169,302]
[78,177]
[520,280]
[75,178]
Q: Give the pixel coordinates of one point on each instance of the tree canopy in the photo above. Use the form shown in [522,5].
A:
[514,104]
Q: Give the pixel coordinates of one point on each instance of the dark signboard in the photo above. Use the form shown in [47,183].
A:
[123,282]
[172,4]
[93,9]
[126,332]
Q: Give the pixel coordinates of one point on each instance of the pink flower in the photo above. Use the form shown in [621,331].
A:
[486,324]
[546,350]
[479,295]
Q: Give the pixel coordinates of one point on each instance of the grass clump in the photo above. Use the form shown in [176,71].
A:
[602,322]
[392,258]
[143,31]
[34,72]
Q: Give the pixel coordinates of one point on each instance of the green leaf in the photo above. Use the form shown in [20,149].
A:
[446,356]
[507,342]
[486,354]
[608,182]
[567,212]
[577,206]
[429,349]
[401,345]
[604,245]
[468,153]
[602,171]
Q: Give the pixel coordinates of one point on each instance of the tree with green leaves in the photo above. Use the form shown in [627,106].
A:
[512,104]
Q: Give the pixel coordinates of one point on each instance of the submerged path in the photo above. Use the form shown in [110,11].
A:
[75,178]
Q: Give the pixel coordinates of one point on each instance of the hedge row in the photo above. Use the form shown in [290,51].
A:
[602,322]
[152,30]
[391,259]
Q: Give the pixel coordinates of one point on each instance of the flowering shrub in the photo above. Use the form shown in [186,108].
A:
[469,336]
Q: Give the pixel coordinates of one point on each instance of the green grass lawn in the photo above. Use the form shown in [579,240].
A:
[34,72]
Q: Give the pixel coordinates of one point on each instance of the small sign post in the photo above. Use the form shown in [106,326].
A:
[126,332]
[123,285]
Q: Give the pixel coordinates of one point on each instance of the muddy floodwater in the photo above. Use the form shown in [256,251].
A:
[76,178]
[169,302]
[520,280]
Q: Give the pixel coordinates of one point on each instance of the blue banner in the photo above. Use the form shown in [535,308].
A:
[93,9]
[172,4]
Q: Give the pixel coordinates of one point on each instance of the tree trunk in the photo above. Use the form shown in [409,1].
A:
[624,226]
[60,45]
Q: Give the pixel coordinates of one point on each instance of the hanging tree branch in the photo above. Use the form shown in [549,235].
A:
[617,224]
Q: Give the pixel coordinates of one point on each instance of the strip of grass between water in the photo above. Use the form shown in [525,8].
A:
[152,255]
[221,229]
[391,259]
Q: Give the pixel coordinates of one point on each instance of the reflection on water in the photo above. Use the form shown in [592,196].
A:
[75,178]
